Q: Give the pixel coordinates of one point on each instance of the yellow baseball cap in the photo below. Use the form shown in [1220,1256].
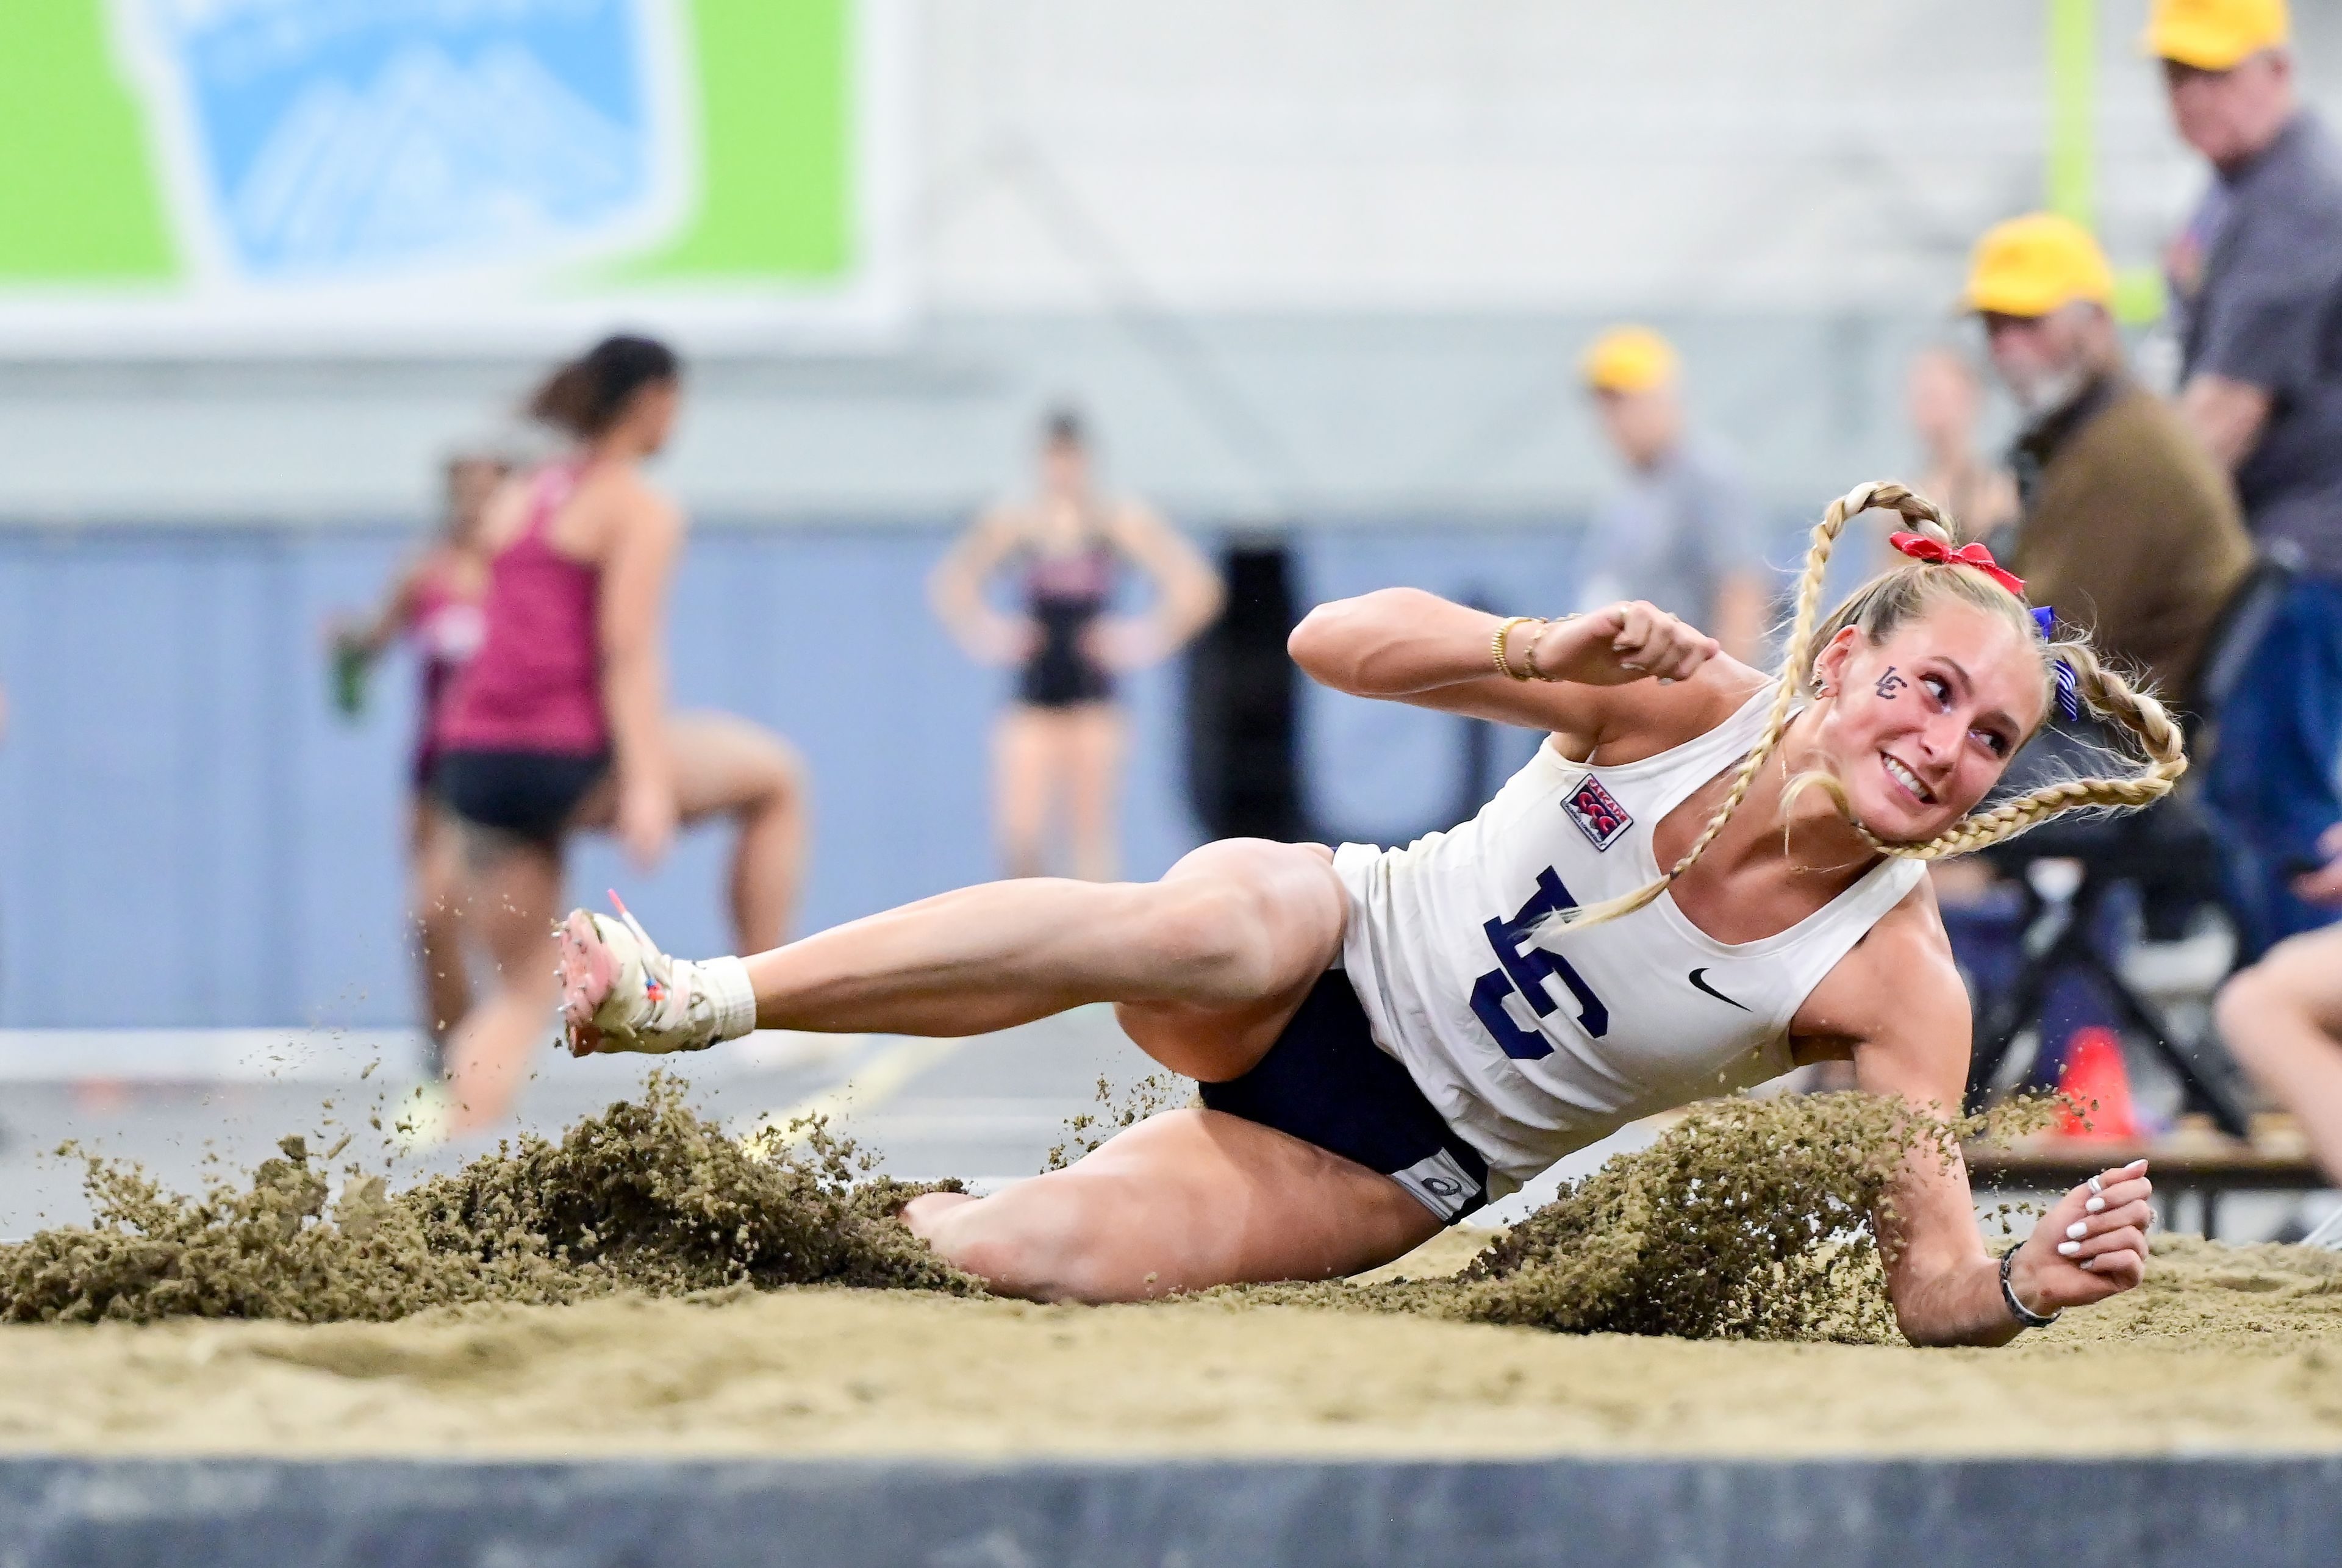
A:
[2215,34]
[2034,265]
[1629,359]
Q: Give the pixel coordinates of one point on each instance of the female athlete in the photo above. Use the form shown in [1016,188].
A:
[1063,732]
[1385,1038]
[560,721]
[435,604]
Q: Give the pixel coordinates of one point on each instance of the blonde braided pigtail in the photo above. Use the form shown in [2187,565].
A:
[1796,670]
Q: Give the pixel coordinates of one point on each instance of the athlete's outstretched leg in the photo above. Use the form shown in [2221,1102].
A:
[1211,961]
[1093,768]
[436,850]
[516,888]
[1183,1201]
[1026,743]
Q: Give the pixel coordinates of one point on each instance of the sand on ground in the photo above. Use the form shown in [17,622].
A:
[2222,1348]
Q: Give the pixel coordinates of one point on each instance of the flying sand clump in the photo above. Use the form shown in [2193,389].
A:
[647,1196]
[1747,1219]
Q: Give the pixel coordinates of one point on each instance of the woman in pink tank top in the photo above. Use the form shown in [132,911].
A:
[433,607]
[560,721]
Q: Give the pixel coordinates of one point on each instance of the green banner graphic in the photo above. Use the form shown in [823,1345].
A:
[410,171]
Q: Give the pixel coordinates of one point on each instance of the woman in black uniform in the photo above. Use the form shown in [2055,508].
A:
[1062,738]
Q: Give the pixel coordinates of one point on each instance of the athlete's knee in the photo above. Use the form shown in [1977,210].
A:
[440,923]
[777,778]
[1035,1244]
[2247,1005]
[1210,934]
[438,891]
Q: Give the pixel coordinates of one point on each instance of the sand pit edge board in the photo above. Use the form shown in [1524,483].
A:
[2258,1512]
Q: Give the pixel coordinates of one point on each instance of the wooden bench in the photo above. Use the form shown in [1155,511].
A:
[2193,1161]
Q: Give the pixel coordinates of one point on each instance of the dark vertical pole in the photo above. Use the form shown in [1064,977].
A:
[1243,751]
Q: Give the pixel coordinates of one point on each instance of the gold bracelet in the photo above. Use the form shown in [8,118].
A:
[1528,655]
[1496,645]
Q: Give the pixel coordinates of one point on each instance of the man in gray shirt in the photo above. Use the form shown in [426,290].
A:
[1682,533]
[2259,276]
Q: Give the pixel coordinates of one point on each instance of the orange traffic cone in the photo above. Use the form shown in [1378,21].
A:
[2097,1082]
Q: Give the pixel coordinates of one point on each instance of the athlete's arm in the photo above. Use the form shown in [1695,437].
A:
[1898,1004]
[644,536]
[1629,678]
[2227,415]
[371,636]
[1188,592]
[956,591]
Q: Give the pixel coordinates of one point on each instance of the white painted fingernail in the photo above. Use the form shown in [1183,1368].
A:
[2067,1249]
[2077,1230]
[2094,1204]
[2088,1263]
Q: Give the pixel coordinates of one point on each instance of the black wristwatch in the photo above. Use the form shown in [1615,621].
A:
[2024,1315]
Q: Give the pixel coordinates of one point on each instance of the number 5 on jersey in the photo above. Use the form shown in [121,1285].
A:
[1523,968]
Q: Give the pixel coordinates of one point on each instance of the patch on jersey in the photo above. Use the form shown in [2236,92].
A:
[1596,813]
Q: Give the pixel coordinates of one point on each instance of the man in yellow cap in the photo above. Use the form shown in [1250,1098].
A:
[1682,535]
[2127,525]
[2257,277]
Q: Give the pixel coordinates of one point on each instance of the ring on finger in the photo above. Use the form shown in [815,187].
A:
[2095,1187]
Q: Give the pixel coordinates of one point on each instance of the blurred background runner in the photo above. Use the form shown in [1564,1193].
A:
[433,607]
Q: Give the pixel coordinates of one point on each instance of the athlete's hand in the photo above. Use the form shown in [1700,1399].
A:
[999,642]
[2090,1245]
[1122,644]
[2323,886]
[646,820]
[1620,644]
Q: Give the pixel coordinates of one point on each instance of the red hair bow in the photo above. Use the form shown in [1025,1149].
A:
[1919,547]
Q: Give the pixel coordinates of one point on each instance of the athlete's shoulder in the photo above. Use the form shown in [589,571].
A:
[504,516]
[1007,520]
[620,482]
[622,492]
[1898,979]
[1128,517]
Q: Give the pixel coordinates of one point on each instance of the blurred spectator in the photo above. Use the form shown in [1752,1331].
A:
[2128,528]
[434,604]
[1944,396]
[1682,535]
[1062,736]
[2259,276]
[2282,1021]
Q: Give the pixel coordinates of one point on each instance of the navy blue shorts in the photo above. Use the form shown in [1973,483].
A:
[530,795]
[1327,1083]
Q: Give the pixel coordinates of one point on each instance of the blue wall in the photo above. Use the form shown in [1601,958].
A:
[189,836]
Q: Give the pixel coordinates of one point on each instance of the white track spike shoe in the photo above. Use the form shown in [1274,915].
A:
[620,992]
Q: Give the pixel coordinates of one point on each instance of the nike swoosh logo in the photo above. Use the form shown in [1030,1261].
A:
[1701,984]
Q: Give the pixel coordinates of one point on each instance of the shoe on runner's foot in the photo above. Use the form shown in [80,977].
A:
[620,992]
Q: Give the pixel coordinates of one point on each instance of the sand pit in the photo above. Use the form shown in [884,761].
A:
[2223,1348]
[628,1291]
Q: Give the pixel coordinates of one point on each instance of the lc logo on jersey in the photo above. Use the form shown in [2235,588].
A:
[1598,814]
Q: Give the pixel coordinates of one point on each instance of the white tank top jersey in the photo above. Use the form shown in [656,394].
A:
[1531,1049]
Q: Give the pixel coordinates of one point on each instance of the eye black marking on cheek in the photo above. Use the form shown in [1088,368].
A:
[1890,683]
